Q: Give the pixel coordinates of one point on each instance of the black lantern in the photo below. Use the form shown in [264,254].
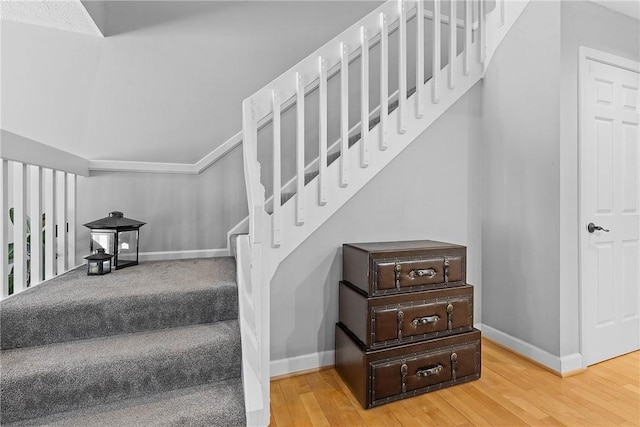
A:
[98,263]
[118,236]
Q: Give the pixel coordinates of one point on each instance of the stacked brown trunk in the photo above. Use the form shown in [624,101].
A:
[406,320]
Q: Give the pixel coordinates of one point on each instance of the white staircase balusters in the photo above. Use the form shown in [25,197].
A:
[402,68]
[420,58]
[61,221]
[19,227]
[344,114]
[384,81]
[482,30]
[435,78]
[364,98]
[276,220]
[41,233]
[323,129]
[4,226]
[35,213]
[467,35]
[299,149]
[72,194]
[49,188]
[453,42]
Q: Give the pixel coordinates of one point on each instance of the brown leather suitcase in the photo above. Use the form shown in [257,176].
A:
[381,376]
[408,317]
[395,267]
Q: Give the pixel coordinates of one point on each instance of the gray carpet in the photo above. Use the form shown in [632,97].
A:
[152,295]
[69,346]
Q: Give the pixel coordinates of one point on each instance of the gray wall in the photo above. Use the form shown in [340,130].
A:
[443,166]
[182,212]
[583,24]
[520,227]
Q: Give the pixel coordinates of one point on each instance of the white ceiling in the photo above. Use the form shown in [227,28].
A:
[68,15]
[626,7]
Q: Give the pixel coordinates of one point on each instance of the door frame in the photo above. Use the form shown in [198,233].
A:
[585,55]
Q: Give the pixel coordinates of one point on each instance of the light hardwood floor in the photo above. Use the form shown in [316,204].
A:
[512,391]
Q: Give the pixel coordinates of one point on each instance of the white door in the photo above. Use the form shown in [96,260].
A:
[609,201]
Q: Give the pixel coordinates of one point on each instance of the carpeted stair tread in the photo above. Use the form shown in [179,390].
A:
[152,295]
[58,377]
[216,404]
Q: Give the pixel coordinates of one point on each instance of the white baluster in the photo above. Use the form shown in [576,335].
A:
[482,32]
[49,190]
[364,99]
[453,42]
[500,7]
[276,219]
[419,59]
[299,149]
[61,220]
[19,227]
[322,158]
[35,212]
[402,68]
[344,115]
[71,220]
[468,24]
[436,51]
[384,81]
[4,225]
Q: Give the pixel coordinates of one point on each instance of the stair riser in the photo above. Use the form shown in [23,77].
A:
[66,388]
[74,321]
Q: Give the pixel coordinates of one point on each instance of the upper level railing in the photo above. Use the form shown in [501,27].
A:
[266,108]
[38,212]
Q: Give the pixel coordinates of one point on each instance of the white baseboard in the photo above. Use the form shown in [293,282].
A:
[302,363]
[197,253]
[571,362]
[561,365]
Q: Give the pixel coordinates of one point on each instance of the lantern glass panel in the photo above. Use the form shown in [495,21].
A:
[106,265]
[94,267]
[127,246]
[104,240]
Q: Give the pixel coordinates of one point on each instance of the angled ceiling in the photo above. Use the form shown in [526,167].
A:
[626,7]
[67,15]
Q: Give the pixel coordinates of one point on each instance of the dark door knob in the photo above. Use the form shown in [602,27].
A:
[591,227]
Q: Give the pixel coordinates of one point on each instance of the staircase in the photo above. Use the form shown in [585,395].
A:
[397,98]
[157,344]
